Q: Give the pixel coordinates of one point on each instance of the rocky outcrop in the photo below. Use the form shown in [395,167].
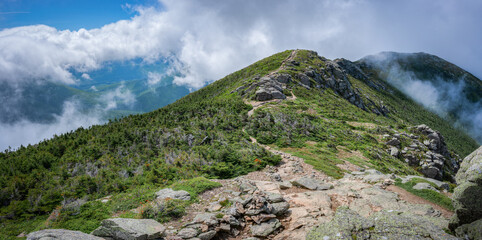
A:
[168,193]
[347,224]
[270,88]
[332,74]
[130,229]
[426,149]
[467,198]
[259,210]
[60,234]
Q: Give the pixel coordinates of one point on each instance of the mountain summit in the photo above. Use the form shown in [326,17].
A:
[335,117]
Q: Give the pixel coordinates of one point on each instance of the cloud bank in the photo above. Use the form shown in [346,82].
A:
[213,38]
[73,115]
[26,132]
[205,40]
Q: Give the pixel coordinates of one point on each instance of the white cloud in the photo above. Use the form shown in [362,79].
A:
[25,132]
[121,95]
[154,78]
[86,76]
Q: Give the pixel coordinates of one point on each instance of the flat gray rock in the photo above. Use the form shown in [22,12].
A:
[310,183]
[285,185]
[130,229]
[274,197]
[266,228]
[279,208]
[60,234]
[187,233]
[347,224]
[168,193]
[423,185]
[206,218]
[207,235]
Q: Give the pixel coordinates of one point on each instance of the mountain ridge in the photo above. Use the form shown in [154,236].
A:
[311,108]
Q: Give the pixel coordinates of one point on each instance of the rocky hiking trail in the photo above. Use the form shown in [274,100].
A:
[288,200]
[304,198]
[279,202]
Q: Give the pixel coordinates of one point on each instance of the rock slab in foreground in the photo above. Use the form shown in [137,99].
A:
[467,198]
[347,224]
[60,234]
[130,229]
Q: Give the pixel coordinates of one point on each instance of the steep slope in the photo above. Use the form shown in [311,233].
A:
[330,113]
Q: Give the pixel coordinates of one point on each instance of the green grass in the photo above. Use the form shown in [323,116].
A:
[87,219]
[166,211]
[320,159]
[132,198]
[430,195]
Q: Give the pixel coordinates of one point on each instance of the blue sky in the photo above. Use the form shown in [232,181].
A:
[67,14]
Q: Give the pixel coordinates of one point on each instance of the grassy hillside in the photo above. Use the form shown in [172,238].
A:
[207,133]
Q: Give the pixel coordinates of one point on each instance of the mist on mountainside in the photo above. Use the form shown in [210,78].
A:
[446,92]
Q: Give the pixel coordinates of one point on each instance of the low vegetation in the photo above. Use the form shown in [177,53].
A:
[430,195]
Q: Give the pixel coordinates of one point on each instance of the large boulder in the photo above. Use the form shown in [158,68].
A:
[470,231]
[130,229]
[347,224]
[60,234]
[168,193]
[467,198]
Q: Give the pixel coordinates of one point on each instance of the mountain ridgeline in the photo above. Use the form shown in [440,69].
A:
[295,101]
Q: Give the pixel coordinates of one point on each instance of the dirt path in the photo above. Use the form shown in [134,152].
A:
[290,58]
[409,197]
